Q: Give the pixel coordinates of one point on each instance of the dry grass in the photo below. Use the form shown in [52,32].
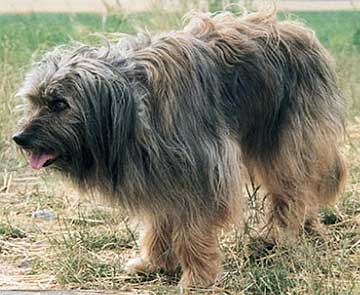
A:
[86,245]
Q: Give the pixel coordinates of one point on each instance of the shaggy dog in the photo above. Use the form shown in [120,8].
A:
[167,125]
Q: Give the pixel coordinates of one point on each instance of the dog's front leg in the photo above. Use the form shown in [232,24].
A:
[196,247]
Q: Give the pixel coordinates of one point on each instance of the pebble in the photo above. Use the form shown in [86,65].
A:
[45,214]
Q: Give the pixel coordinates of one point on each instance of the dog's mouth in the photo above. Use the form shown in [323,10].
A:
[40,160]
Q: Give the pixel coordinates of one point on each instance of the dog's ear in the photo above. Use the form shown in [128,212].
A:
[103,99]
[139,91]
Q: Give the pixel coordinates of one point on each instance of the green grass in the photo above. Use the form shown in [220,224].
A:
[22,37]
[338,31]
[86,247]
[7,231]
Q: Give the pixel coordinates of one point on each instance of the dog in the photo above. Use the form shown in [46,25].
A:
[167,125]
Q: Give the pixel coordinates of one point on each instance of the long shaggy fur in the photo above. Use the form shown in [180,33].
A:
[167,125]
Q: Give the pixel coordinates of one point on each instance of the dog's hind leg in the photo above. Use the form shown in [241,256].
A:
[328,185]
[287,209]
[332,181]
[299,179]
[155,244]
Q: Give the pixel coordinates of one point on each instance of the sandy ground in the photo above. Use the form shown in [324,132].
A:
[99,6]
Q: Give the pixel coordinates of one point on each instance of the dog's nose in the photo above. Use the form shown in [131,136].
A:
[19,138]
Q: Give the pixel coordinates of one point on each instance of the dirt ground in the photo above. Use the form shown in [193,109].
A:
[100,6]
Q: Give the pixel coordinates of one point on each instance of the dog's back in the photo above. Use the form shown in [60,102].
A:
[272,73]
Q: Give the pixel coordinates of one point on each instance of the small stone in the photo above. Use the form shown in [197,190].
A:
[45,214]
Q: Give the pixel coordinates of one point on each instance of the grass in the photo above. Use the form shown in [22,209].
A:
[86,246]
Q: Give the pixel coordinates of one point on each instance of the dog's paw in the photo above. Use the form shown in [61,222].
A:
[192,280]
[138,265]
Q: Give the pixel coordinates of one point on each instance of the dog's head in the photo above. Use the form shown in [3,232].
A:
[80,113]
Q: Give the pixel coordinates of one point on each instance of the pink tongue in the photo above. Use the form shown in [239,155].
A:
[37,161]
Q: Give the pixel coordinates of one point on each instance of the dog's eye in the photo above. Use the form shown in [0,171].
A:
[57,105]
